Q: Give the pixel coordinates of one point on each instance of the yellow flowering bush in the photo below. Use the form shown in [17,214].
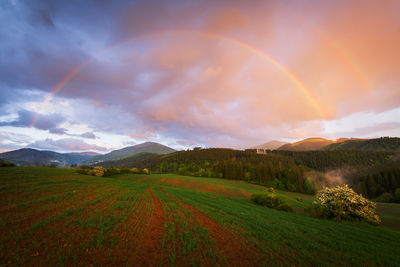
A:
[98,171]
[271,189]
[342,203]
[135,170]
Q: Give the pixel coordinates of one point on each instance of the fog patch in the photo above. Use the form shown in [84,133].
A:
[330,178]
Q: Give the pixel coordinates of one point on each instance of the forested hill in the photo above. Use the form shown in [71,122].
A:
[328,160]
[377,144]
[308,144]
[275,170]
[373,173]
[129,162]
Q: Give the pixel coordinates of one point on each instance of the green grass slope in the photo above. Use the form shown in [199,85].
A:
[129,162]
[58,217]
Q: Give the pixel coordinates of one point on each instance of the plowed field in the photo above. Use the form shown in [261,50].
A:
[57,217]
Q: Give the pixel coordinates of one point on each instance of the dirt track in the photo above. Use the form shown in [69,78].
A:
[233,249]
[150,251]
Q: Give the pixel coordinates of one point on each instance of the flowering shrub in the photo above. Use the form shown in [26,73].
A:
[98,171]
[95,171]
[135,170]
[342,203]
[110,171]
[271,200]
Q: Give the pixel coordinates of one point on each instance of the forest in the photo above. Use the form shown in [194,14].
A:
[372,173]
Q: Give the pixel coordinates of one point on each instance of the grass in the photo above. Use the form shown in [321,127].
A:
[57,217]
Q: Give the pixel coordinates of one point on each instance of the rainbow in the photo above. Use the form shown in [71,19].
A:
[242,44]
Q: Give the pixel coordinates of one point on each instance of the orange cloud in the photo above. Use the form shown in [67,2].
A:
[226,20]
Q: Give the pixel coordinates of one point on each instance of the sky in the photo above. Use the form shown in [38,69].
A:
[102,75]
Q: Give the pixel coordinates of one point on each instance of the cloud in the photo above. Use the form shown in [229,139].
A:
[228,19]
[28,118]
[66,144]
[59,131]
[88,135]
[186,143]
[221,73]
[62,131]
[376,130]
[11,141]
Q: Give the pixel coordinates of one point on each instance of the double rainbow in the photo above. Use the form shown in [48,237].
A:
[265,56]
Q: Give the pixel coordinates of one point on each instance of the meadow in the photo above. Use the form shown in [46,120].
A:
[58,217]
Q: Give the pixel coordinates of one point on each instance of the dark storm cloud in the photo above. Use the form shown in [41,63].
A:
[42,41]
[42,122]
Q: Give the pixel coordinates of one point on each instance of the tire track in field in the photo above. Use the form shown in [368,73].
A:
[233,248]
[141,179]
[150,250]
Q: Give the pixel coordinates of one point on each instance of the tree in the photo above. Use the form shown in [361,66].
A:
[342,203]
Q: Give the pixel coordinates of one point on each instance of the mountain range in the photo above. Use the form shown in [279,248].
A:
[318,143]
[147,147]
[133,154]
[34,157]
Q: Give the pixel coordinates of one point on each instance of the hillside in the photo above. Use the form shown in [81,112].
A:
[275,170]
[147,147]
[308,144]
[129,162]
[300,171]
[377,144]
[272,145]
[328,160]
[34,157]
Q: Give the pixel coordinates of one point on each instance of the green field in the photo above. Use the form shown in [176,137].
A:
[57,217]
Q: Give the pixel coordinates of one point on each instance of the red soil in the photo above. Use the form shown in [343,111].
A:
[141,179]
[233,248]
[150,251]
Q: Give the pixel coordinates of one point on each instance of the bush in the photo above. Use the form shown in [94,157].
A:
[98,171]
[271,189]
[342,203]
[110,171]
[135,170]
[6,164]
[271,200]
